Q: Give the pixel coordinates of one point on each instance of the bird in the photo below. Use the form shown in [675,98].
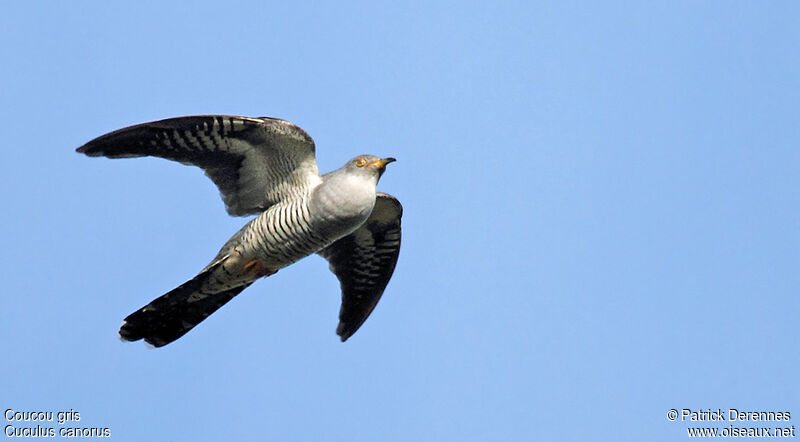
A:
[266,166]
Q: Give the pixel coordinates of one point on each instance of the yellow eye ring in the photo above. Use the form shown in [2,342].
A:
[361,162]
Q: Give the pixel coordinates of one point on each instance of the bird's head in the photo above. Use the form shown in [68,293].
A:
[369,165]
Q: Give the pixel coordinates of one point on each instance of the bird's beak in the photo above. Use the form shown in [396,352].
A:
[381,163]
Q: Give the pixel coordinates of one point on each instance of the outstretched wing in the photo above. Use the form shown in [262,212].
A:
[364,261]
[254,162]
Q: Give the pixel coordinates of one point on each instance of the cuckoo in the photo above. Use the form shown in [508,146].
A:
[266,167]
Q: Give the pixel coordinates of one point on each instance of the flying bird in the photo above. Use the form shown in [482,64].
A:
[266,166]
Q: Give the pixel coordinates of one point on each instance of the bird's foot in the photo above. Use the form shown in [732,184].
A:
[257,268]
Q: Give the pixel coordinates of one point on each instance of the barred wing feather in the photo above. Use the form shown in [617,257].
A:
[254,162]
[364,262]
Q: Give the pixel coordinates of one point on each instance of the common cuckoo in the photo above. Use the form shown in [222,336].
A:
[266,166]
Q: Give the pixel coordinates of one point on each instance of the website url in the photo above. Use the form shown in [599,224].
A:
[732,431]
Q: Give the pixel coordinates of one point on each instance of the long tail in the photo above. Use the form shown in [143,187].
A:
[172,315]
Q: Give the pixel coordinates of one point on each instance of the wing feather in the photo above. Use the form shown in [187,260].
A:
[255,162]
[364,262]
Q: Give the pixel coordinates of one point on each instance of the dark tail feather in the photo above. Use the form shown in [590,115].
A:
[170,316]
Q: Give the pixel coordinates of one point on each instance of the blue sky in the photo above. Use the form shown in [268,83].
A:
[602,217]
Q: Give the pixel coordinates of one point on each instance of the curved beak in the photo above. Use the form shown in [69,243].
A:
[381,163]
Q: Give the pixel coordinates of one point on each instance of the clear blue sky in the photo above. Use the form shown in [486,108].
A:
[602,217]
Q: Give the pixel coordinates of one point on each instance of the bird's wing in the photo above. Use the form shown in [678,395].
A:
[254,162]
[364,261]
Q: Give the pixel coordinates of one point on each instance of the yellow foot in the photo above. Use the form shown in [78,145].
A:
[257,268]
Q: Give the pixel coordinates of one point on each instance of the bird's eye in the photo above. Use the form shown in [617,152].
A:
[361,162]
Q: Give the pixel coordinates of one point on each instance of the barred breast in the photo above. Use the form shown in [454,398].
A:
[292,229]
[284,233]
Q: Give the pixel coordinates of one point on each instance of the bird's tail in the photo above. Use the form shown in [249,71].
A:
[172,315]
